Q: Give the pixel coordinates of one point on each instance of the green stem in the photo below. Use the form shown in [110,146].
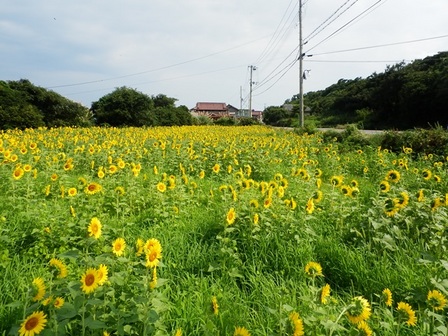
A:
[339,317]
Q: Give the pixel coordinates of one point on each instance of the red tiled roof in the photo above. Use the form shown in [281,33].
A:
[211,107]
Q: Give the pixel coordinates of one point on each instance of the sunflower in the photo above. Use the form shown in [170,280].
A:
[139,246]
[253,203]
[161,187]
[231,216]
[317,196]
[40,289]
[336,180]
[436,300]
[18,173]
[325,294]
[384,186]
[364,329]
[62,269]
[313,269]
[393,176]
[390,209]
[153,244]
[359,310]
[33,324]
[420,195]
[118,246]
[58,302]
[406,313]
[201,174]
[94,228]
[120,191]
[153,282]
[216,168]
[310,206]
[346,190]
[72,192]
[72,211]
[317,172]
[437,178]
[386,296]
[93,188]
[403,201]
[178,332]
[241,331]
[102,273]
[215,306]
[89,281]
[153,258]
[267,202]
[436,202]
[426,173]
[296,324]
[256,219]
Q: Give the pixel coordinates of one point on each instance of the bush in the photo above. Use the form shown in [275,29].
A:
[225,121]
[247,122]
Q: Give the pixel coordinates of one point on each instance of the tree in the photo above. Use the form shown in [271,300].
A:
[15,111]
[124,107]
[273,114]
[55,109]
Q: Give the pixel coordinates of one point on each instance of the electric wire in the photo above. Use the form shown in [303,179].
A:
[316,31]
[276,32]
[343,26]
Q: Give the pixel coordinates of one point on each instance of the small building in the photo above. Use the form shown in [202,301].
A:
[211,110]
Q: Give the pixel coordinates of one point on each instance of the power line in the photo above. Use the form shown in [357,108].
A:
[381,45]
[343,26]
[277,32]
[156,69]
[316,32]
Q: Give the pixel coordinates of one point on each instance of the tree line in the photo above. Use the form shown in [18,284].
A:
[404,96]
[25,105]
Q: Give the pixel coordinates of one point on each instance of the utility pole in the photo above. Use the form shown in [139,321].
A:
[252,68]
[241,101]
[302,119]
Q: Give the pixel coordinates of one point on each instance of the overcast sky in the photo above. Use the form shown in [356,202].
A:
[201,50]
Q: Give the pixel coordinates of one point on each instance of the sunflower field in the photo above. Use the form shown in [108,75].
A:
[213,230]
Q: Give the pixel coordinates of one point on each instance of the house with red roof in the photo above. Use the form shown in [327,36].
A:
[211,110]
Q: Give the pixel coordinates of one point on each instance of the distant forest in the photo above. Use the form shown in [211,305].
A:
[404,96]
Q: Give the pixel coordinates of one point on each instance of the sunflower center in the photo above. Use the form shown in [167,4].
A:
[31,323]
[90,279]
[117,247]
[92,187]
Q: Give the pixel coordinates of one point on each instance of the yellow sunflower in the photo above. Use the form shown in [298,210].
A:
[18,173]
[62,269]
[420,195]
[384,186]
[325,294]
[231,216]
[436,300]
[215,306]
[387,297]
[153,258]
[178,332]
[216,168]
[161,187]
[94,228]
[393,176]
[139,246]
[102,273]
[297,324]
[359,310]
[256,219]
[406,314]
[241,331]
[58,302]
[93,188]
[267,202]
[309,206]
[89,281]
[313,269]
[153,244]
[33,324]
[426,173]
[364,329]
[40,289]
[72,192]
[118,246]
[336,180]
